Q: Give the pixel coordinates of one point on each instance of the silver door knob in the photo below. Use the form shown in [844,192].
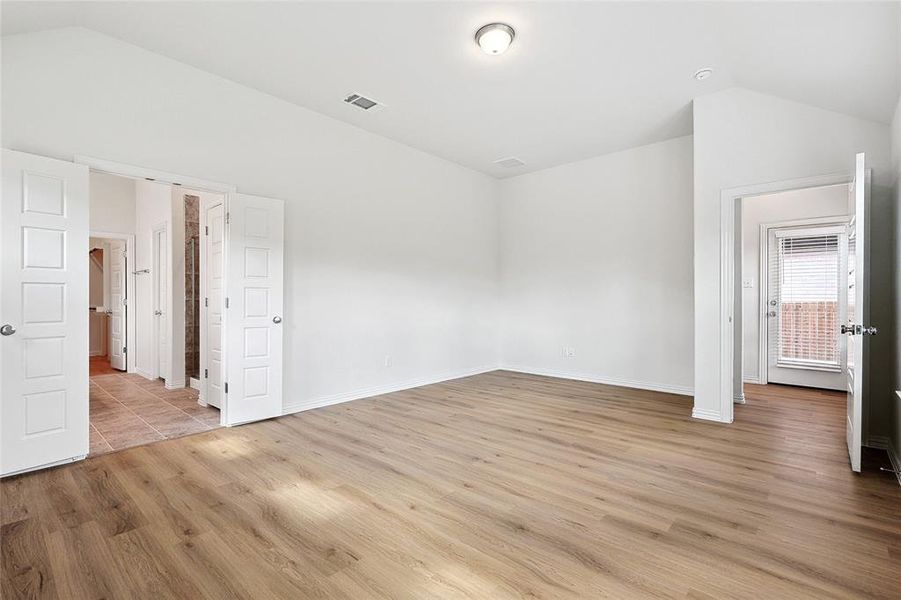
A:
[849,329]
[7,329]
[276,319]
[869,331]
[772,313]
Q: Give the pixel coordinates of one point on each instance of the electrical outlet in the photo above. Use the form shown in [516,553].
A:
[747,282]
[387,360]
[568,352]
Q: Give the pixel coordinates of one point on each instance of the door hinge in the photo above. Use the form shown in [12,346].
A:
[124,301]
[124,350]
[206,230]
[226,387]
[227,218]
[206,301]
[226,302]
[206,373]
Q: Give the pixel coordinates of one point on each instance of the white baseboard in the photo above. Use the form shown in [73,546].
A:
[175,385]
[96,353]
[739,399]
[295,407]
[144,374]
[708,415]
[755,380]
[591,378]
[194,383]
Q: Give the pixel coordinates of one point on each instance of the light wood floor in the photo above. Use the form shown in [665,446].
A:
[491,487]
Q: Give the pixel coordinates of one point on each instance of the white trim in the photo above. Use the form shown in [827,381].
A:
[194,384]
[130,293]
[739,398]
[729,200]
[754,380]
[358,394]
[682,390]
[763,363]
[175,385]
[707,415]
[126,170]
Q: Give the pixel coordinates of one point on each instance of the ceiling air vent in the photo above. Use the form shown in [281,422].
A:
[363,102]
[509,163]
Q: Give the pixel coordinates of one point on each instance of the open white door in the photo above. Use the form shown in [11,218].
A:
[43,312]
[117,308]
[253,315]
[858,309]
[213,305]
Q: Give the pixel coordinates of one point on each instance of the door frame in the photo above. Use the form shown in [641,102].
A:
[205,206]
[730,207]
[129,290]
[110,167]
[160,228]
[763,329]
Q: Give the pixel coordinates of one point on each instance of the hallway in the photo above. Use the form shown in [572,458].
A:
[128,410]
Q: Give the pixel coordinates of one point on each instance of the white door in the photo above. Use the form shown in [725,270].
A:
[213,304]
[253,315]
[43,312]
[160,302]
[806,304]
[858,300]
[117,308]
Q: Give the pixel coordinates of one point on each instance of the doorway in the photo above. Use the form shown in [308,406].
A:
[803,282]
[54,410]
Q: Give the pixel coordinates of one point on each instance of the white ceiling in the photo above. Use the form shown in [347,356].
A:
[581,79]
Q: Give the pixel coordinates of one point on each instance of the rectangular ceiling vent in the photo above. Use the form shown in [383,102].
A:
[509,163]
[363,102]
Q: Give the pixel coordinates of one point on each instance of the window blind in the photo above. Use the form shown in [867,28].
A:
[807,300]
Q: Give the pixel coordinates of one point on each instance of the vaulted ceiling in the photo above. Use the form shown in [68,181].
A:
[581,78]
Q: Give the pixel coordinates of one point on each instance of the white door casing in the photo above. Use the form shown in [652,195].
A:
[857,328]
[213,292]
[160,273]
[44,297]
[117,308]
[254,292]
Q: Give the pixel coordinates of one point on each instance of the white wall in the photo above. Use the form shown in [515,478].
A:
[152,208]
[112,203]
[775,208]
[744,138]
[596,256]
[389,251]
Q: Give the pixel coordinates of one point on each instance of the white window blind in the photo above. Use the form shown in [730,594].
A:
[807,269]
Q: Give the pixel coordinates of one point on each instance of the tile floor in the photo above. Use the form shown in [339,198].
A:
[128,410]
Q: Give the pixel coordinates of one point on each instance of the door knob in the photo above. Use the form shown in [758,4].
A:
[276,319]
[772,313]
[850,329]
[7,329]
[773,303]
[869,331]
[157,312]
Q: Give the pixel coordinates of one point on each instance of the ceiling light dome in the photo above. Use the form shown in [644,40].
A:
[495,38]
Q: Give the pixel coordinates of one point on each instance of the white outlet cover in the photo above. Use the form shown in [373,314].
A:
[748,282]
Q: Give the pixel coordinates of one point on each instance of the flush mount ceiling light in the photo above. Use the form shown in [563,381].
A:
[495,38]
[704,73]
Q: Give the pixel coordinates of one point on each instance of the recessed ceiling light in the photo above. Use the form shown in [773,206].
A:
[495,38]
[702,74]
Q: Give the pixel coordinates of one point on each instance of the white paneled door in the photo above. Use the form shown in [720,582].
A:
[160,271]
[213,305]
[254,318]
[857,328]
[117,308]
[43,312]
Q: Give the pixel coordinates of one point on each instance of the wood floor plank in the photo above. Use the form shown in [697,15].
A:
[500,486]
